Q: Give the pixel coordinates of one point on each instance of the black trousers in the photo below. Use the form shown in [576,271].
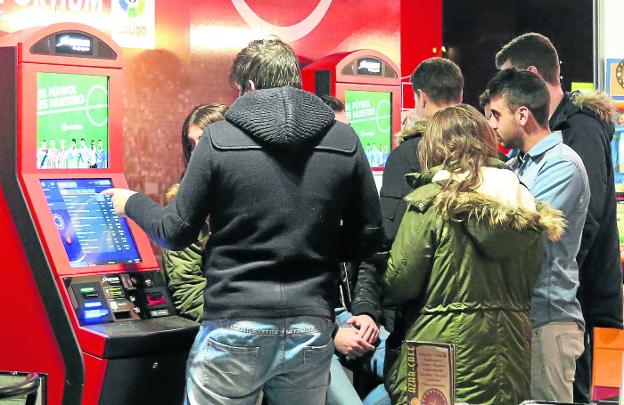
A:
[582,377]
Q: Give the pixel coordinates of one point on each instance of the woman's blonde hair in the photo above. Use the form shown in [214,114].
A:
[460,139]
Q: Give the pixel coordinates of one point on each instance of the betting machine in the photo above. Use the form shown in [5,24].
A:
[82,299]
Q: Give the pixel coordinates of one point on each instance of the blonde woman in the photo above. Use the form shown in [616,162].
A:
[465,259]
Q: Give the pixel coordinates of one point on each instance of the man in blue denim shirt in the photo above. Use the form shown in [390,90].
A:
[555,174]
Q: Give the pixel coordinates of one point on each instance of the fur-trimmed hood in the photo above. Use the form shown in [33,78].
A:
[501,228]
[501,231]
[416,129]
[598,103]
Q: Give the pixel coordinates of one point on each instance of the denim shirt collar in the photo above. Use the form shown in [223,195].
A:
[539,148]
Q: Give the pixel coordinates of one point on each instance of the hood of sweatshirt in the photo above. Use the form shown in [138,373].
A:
[282,117]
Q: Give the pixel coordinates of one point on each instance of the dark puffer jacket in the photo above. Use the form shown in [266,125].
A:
[587,128]
[402,160]
[290,195]
[360,290]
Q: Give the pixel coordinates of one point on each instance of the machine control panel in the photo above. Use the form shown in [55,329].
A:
[119,297]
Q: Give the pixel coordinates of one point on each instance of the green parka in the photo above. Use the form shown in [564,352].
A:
[185,281]
[468,281]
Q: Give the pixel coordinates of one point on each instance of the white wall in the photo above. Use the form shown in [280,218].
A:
[612,29]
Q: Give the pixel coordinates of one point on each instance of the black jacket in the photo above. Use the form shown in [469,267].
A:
[600,274]
[360,289]
[402,160]
[290,195]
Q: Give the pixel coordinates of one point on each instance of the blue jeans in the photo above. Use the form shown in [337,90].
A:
[233,361]
[341,391]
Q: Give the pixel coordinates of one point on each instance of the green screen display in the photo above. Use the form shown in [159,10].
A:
[370,115]
[72,121]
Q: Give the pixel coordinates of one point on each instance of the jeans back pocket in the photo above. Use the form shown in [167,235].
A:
[229,370]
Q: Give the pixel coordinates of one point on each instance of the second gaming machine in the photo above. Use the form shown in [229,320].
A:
[368,83]
[83,300]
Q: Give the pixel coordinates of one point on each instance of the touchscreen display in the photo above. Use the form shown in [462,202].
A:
[91,232]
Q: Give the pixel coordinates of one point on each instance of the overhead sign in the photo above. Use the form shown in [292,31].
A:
[134,23]
[131,23]
[369,66]
[73,44]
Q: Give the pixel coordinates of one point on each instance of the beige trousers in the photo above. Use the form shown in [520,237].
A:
[554,350]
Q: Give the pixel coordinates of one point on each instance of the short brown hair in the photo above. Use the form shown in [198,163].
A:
[531,49]
[440,78]
[333,102]
[267,63]
[521,88]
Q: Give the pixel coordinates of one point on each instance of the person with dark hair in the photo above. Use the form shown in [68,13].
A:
[533,52]
[194,124]
[334,103]
[437,83]
[290,195]
[359,342]
[555,174]
[265,64]
[484,103]
[465,260]
[586,122]
[183,268]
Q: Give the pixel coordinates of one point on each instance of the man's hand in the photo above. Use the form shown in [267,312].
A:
[367,327]
[119,197]
[349,342]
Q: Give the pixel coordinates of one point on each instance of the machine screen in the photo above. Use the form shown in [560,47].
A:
[91,232]
[72,121]
[370,115]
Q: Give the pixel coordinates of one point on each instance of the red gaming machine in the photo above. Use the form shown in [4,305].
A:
[82,299]
[369,84]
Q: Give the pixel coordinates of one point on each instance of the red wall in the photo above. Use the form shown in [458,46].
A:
[421,38]
[196,41]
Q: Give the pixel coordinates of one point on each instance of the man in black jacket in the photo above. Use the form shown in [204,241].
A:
[289,194]
[588,129]
[438,83]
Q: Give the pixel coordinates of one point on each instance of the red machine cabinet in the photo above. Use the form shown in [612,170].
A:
[134,350]
[362,70]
